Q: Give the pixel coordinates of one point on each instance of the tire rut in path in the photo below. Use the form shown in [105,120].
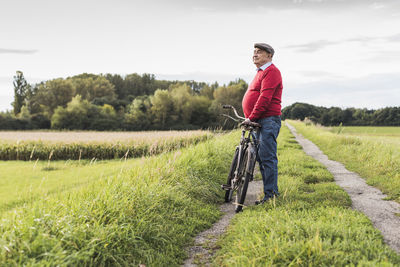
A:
[205,243]
[365,198]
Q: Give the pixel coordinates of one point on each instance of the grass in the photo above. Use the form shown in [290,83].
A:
[310,224]
[23,181]
[33,145]
[376,157]
[381,134]
[147,214]
[368,130]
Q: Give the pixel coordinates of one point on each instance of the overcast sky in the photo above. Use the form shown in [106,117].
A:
[342,53]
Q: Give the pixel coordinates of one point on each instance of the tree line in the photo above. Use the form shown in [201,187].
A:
[388,116]
[115,102]
[141,102]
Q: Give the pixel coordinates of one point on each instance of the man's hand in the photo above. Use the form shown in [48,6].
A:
[246,121]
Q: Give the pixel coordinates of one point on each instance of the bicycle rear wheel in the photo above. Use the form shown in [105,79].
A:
[229,192]
[244,176]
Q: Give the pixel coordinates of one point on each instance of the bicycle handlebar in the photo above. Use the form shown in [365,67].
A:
[241,119]
[234,110]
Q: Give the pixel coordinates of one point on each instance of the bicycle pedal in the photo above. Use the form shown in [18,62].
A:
[226,187]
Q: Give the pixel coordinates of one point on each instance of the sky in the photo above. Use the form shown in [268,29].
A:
[343,53]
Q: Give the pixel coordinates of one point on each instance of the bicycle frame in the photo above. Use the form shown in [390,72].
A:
[246,142]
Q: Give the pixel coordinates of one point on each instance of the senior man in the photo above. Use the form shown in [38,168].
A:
[262,103]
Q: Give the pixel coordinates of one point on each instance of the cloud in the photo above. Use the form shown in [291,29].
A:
[17,51]
[387,6]
[312,46]
[321,44]
[393,38]
[319,74]
[386,56]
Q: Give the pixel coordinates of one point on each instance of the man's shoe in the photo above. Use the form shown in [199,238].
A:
[262,201]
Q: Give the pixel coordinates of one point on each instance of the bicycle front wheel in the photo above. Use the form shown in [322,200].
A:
[229,193]
[244,176]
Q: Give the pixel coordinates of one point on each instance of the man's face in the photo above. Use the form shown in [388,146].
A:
[260,57]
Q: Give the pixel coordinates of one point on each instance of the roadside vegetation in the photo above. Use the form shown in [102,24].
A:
[374,153]
[145,214]
[34,145]
[334,116]
[310,224]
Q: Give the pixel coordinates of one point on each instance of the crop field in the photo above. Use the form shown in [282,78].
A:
[372,152]
[93,136]
[147,210]
[34,145]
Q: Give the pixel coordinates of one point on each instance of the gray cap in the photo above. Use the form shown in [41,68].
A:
[265,47]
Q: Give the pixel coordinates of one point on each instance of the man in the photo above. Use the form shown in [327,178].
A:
[262,104]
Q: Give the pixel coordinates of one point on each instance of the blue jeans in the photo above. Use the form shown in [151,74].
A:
[267,151]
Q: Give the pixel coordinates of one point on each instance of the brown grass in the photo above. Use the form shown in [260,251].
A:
[93,136]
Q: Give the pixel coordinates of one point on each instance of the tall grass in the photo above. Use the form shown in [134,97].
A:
[375,158]
[147,215]
[310,224]
[111,148]
[24,181]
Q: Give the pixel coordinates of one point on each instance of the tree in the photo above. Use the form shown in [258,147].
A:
[162,107]
[231,95]
[118,83]
[53,93]
[200,115]
[138,116]
[208,92]
[91,88]
[182,102]
[24,114]
[79,114]
[107,119]
[20,90]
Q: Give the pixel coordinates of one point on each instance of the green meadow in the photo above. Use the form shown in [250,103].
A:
[372,152]
[23,181]
[367,130]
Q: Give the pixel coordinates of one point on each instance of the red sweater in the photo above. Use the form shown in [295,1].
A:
[263,96]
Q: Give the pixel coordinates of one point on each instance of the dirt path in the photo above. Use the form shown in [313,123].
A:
[365,198]
[204,248]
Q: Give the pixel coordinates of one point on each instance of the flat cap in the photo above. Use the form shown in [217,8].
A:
[265,47]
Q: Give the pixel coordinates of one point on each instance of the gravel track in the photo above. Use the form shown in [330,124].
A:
[205,243]
[367,199]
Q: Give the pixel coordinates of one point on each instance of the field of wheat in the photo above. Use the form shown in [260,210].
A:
[41,145]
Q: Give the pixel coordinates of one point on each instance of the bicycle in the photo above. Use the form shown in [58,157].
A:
[244,161]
